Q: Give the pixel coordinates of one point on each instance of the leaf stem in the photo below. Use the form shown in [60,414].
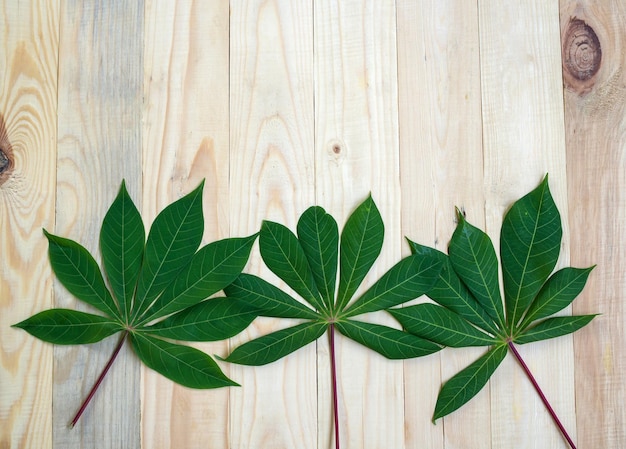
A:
[333,367]
[99,381]
[541,395]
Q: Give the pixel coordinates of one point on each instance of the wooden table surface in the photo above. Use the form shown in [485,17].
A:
[279,105]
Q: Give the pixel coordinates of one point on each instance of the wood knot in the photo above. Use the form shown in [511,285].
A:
[6,153]
[336,150]
[582,56]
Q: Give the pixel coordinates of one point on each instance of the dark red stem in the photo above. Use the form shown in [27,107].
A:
[541,395]
[333,368]
[99,381]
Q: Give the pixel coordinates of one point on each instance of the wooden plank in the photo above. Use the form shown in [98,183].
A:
[595,123]
[271,145]
[523,139]
[186,139]
[99,128]
[356,149]
[441,161]
[28,77]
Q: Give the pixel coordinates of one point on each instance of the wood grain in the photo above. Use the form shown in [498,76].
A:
[271,177]
[28,78]
[441,167]
[356,146]
[99,128]
[523,139]
[280,105]
[595,124]
[186,139]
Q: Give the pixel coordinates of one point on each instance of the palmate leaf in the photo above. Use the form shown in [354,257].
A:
[470,310]
[308,264]
[161,285]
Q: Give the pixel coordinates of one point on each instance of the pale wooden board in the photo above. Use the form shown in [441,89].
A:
[523,139]
[271,177]
[356,145]
[99,144]
[186,139]
[595,123]
[281,105]
[441,167]
[28,78]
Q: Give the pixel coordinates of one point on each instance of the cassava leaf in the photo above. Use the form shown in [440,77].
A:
[267,299]
[276,345]
[69,327]
[467,289]
[122,240]
[529,246]
[79,273]
[441,326]
[308,264]
[553,327]
[557,293]
[151,280]
[451,293]
[282,253]
[211,320]
[319,236]
[474,260]
[408,279]
[391,343]
[464,385]
[361,243]
[212,268]
[172,241]
[184,365]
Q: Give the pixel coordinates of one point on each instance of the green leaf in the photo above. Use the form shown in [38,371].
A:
[557,293]
[211,320]
[553,327]
[474,260]
[79,273]
[69,327]
[467,383]
[212,268]
[408,279]
[361,243]
[276,345]
[529,247]
[182,364]
[269,300]
[319,236]
[282,253]
[391,343]
[122,240]
[451,293]
[173,239]
[440,325]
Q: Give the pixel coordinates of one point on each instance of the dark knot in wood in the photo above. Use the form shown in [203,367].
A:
[582,55]
[6,153]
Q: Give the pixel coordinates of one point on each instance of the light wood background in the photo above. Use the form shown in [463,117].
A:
[428,104]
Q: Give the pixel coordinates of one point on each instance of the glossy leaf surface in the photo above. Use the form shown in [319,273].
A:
[157,289]
[308,263]
[470,310]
